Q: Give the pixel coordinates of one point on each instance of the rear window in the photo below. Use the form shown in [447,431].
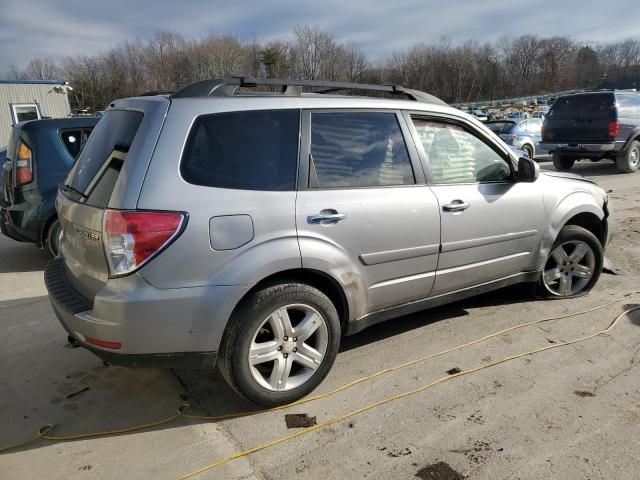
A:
[104,153]
[500,127]
[253,150]
[579,107]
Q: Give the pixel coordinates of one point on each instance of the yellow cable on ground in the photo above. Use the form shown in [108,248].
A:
[44,431]
[331,421]
[409,363]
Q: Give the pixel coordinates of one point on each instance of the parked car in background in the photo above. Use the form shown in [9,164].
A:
[524,135]
[515,115]
[39,156]
[215,226]
[593,126]
[481,115]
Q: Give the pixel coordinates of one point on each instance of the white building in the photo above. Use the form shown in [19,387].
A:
[22,100]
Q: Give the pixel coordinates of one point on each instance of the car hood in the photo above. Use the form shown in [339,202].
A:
[571,176]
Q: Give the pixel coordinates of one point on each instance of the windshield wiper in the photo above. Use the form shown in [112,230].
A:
[69,188]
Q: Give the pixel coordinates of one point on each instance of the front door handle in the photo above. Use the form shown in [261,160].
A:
[326,217]
[456,206]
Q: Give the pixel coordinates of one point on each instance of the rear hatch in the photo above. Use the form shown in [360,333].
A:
[108,174]
[581,118]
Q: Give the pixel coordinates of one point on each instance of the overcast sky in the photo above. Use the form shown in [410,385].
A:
[57,28]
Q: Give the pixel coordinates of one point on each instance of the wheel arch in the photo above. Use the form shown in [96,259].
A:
[578,209]
[315,278]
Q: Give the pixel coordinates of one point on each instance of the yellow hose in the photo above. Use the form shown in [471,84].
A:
[44,432]
[331,421]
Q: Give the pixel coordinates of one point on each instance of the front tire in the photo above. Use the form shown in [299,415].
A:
[562,162]
[528,150]
[280,343]
[573,266]
[629,161]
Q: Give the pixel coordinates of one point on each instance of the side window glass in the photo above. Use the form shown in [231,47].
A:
[73,141]
[248,150]
[358,150]
[533,126]
[457,156]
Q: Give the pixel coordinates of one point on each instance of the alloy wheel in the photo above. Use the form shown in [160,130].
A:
[288,347]
[569,268]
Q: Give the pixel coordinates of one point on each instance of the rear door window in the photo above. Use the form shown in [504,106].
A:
[102,157]
[252,150]
[358,149]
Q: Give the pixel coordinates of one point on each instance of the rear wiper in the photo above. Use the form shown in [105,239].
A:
[69,188]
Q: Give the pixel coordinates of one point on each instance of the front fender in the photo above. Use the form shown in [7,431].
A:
[561,212]
[327,257]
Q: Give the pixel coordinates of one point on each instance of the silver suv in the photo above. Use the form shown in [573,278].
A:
[228,225]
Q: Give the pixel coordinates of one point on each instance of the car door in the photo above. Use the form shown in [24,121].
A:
[491,225]
[364,213]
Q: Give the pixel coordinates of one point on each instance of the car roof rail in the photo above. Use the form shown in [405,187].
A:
[226,87]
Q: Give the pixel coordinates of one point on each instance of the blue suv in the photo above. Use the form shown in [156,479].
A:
[39,155]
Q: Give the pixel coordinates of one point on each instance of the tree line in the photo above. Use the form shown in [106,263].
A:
[510,67]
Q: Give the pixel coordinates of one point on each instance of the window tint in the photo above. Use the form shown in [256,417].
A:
[254,150]
[457,156]
[358,150]
[106,148]
[583,107]
[75,139]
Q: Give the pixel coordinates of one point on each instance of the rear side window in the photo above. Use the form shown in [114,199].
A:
[629,105]
[74,140]
[253,150]
[358,150]
[583,107]
[103,155]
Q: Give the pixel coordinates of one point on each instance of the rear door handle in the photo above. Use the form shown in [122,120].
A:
[326,217]
[456,206]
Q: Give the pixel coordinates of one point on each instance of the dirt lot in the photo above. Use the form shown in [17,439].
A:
[568,413]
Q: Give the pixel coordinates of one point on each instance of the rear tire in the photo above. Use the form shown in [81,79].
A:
[629,161]
[280,343]
[53,238]
[528,150]
[562,162]
[573,266]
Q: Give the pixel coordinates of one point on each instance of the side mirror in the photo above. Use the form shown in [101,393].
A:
[528,170]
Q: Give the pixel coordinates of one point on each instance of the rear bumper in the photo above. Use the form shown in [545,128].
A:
[582,149]
[156,328]
[18,225]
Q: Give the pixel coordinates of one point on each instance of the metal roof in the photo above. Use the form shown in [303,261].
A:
[32,82]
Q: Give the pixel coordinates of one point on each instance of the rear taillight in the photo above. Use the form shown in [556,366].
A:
[132,237]
[542,131]
[24,165]
[614,129]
